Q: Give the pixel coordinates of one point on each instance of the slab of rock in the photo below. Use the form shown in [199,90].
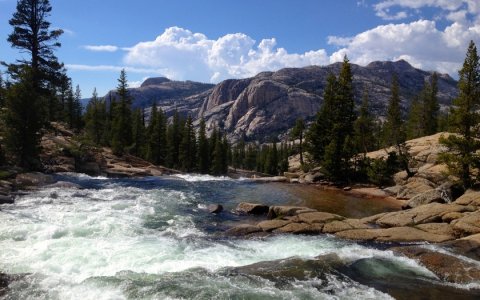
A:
[414,186]
[429,213]
[252,208]
[396,234]
[33,179]
[347,224]
[285,211]
[316,217]
[300,228]
[64,185]
[449,217]
[471,197]
[468,224]
[447,267]
[468,246]
[372,219]
[427,197]
[271,225]
[437,228]
[243,229]
[313,177]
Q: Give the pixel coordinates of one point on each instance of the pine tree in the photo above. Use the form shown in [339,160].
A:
[138,134]
[174,136]
[319,132]
[364,128]
[76,110]
[203,155]
[22,120]
[31,34]
[297,133]
[415,122]
[122,118]
[2,92]
[217,167]
[187,149]
[393,130]
[462,156]
[431,106]
[339,151]
[152,152]
[95,116]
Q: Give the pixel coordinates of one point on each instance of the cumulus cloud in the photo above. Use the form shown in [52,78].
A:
[384,8]
[187,55]
[101,48]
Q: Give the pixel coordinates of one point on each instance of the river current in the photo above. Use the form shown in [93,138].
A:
[153,238]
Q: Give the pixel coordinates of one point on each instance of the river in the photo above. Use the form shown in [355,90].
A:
[153,238]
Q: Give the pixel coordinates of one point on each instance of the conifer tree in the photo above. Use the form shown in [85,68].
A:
[462,156]
[318,135]
[297,133]
[187,149]
[2,92]
[138,134]
[122,118]
[364,128]
[174,139]
[415,121]
[218,159]
[431,106]
[32,34]
[22,120]
[393,130]
[203,154]
[95,116]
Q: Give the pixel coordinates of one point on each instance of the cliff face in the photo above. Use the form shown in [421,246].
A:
[268,104]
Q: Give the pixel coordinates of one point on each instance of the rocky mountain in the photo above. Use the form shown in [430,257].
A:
[168,94]
[268,104]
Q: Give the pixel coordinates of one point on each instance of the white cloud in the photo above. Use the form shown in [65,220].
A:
[109,68]
[338,41]
[187,55]
[101,48]
[419,42]
[383,8]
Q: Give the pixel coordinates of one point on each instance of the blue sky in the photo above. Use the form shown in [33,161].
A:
[212,40]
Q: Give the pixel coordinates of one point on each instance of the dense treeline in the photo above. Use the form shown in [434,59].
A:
[38,92]
[176,143]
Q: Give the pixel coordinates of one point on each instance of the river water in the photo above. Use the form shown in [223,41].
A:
[153,238]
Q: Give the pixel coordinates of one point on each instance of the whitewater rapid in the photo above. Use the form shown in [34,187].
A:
[119,240]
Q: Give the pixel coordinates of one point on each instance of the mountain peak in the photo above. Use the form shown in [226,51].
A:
[155,81]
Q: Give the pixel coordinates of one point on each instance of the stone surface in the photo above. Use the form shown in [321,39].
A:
[270,225]
[299,228]
[6,199]
[252,208]
[447,267]
[413,187]
[427,197]
[243,229]
[215,208]
[33,179]
[468,224]
[285,211]
[468,246]
[449,217]
[316,217]
[347,224]
[395,234]
[429,213]
[471,197]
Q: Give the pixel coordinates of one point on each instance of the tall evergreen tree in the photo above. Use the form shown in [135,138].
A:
[431,106]
[122,117]
[297,133]
[187,149]
[319,132]
[138,134]
[22,121]
[32,34]
[364,128]
[174,136]
[464,118]
[393,130]
[95,116]
[2,92]
[415,122]
[203,155]
[339,150]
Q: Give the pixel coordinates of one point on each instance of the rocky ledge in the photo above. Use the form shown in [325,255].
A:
[455,227]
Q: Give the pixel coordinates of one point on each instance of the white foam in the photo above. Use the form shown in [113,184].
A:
[199,177]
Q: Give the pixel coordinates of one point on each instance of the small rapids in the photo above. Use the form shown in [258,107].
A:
[151,238]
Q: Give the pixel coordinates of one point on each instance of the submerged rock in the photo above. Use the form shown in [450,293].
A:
[243,230]
[6,199]
[33,179]
[215,208]
[447,267]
